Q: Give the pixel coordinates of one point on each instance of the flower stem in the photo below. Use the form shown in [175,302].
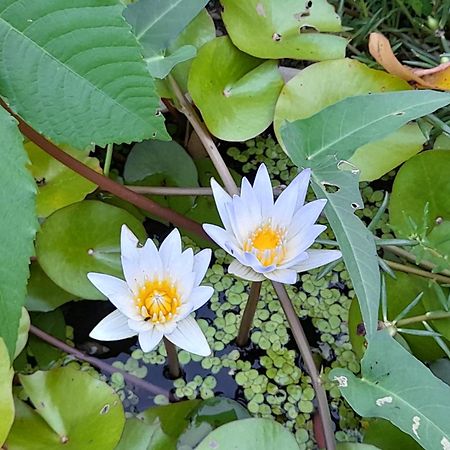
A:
[106,183]
[431,315]
[308,360]
[107,165]
[415,271]
[249,314]
[172,359]
[102,365]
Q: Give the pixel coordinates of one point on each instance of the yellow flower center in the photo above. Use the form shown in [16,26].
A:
[267,244]
[158,300]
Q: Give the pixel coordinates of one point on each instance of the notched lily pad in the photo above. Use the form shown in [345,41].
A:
[235,92]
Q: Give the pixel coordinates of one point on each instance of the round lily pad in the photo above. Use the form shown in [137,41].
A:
[59,186]
[325,83]
[73,410]
[387,436]
[251,434]
[6,398]
[261,28]
[235,92]
[22,336]
[81,238]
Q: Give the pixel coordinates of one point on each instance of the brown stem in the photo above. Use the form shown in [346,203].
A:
[308,360]
[106,183]
[102,365]
[415,271]
[172,359]
[249,314]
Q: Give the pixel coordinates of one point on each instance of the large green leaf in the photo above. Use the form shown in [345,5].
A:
[235,92]
[156,23]
[264,29]
[137,435]
[6,397]
[324,142]
[73,410]
[81,238]
[18,225]
[251,434]
[74,71]
[386,436]
[419,403]
[422,185]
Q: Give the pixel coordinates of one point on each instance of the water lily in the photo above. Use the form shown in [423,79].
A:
[270,239]
[160,291]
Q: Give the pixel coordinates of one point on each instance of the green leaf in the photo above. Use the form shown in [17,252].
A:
[323,84]
[18,226]
[81,238]
[355,446]
[6,397]
[421,196]
[157,23]
[59,186]
[419,403]
[58,422]
[441,368]
[236,93]
[251,434]
[263,29]
[324,142]
[160,66]
[386,436]
[22,336]
[136,435]
[82,77]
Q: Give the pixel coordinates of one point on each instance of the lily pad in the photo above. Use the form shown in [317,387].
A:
[261,28]
[386,436]
[137,435]
[59,186]
[160,66]
[251,434]
[42,293]
[22,336]
[6,397]
[325,83]
[81,238]
[73,410]
[235,92]
[421,196]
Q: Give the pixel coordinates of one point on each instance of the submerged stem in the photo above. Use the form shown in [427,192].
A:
[172,359]
[305,351]
[249,314]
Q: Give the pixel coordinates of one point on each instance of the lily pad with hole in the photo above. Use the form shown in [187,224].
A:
[72,410]
[325,83]
[235,92]
[261,28]
[81,238]
[59,186]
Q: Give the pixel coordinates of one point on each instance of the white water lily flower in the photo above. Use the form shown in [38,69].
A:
[270,240]
[161,290]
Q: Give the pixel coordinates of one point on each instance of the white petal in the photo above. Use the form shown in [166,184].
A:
[285,206]
[262,187]
[282,276]
[185,286]
[302,241]
[306,216]
[247,273]
[252,261]
[150,261]
[302,181]
[188,336]
[148,340]
[220,236]
[242,221]
[112,328]
[317,258]
[140,325]
[183,266]
[199,296]
[249,198]
[297,259]
[201,264]
[129,254]
[117,291]
[222,199]
[170,249]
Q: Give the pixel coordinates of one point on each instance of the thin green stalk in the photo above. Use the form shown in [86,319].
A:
[108,158]
[431,315]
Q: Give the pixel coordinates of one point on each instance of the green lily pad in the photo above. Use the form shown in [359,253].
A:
[387,436]
[355,446]
[251,434]
[42,293]
[59,186]
[137,435]
[81,238]
[160,66]
[24,328]
[235,92]
[422,184]
[73,410]
[261,28]
[325,83]
[6,397]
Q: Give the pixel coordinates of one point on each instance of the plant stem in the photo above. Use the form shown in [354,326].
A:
[249,314]
[206,139]
[102,365]
[431,315]
[172,359]
[106,183]
[163,190]
[308,360]
[414,270]
[107,165]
